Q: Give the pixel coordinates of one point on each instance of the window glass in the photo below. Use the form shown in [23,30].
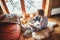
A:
[32,5]
[14,6]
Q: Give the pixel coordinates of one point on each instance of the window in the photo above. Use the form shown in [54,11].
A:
[14,6]
[32,5]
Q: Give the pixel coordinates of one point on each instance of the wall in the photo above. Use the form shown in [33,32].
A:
[56,4]
[55,7]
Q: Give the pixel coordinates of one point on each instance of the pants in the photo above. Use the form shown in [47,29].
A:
[31,29]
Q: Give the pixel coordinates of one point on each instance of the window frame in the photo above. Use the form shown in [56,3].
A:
[4,7]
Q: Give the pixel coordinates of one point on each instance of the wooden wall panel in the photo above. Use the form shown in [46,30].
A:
[50,4]
[48,7]
[56,3]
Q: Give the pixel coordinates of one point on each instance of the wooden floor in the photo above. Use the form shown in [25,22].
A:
[55,35]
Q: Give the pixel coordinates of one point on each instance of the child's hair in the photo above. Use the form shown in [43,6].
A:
[40,12]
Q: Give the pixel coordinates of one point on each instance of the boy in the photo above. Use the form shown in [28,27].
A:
[39,24]
[42,20]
